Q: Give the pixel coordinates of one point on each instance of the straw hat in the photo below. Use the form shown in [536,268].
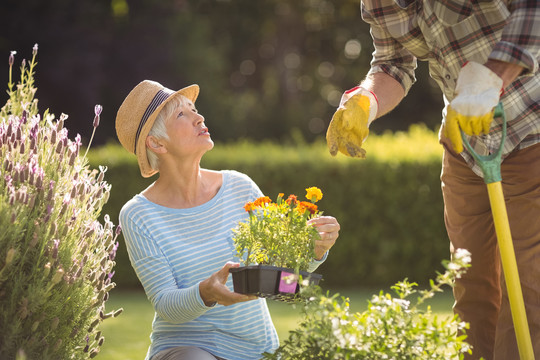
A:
[138,113]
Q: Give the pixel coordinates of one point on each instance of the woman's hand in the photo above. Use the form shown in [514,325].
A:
[213,290]
[328,229]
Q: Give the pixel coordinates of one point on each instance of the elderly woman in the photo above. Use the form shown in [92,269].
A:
[178,233]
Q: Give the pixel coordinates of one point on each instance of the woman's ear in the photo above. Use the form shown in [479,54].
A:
[155,145]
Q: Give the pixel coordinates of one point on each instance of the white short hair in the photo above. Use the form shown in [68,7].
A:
[159,130]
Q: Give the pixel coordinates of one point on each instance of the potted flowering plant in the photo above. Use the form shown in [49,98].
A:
[276,246]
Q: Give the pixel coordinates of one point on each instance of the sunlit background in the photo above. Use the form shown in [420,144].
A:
[265,67]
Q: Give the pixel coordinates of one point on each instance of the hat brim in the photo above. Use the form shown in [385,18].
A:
[191,92]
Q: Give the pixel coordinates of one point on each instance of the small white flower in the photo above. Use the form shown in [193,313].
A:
[463,255]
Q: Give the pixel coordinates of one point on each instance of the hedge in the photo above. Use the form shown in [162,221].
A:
[389,205]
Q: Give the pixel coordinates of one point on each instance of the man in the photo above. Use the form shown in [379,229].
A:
[479,53]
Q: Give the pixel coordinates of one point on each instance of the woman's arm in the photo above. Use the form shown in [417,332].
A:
[213,289]
[152,268]
[173,304]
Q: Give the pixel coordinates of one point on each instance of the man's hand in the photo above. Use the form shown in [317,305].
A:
[349,126]
[477,91]
[213,290]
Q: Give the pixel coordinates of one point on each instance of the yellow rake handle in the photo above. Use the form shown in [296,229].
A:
[511,276]
[491,168]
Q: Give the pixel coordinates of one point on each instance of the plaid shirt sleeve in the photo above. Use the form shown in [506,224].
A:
[520,42]
[389,56]
[450,33]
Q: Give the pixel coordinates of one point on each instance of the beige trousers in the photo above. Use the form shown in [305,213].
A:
[480,295]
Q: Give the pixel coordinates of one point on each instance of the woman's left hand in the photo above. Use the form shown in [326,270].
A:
[328,229]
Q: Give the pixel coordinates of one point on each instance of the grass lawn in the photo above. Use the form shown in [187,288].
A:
[127,336]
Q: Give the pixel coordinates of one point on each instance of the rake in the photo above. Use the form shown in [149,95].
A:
[491,168]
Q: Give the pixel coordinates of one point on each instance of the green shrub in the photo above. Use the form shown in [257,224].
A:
[389,205]
[391,327]
[56,259]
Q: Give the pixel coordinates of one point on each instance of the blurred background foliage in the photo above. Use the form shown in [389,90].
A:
[389,206]
[271,74]
[266,67]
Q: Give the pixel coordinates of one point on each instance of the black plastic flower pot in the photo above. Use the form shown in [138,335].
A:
[270,282]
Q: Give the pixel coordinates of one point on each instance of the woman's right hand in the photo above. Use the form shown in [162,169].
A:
[213,290]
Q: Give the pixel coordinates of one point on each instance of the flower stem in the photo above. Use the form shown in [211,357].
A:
[89,143]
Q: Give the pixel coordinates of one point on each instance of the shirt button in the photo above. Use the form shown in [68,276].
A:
[447,77]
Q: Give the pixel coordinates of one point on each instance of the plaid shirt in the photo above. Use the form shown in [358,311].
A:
[447,34]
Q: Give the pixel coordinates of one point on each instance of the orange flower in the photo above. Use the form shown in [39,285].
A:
[313,194]
[249,207]
[292,200]
[304,205]
[261,201]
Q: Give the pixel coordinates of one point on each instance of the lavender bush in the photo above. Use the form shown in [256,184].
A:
[56,258]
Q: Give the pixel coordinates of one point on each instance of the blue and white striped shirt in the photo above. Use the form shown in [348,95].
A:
[173,250]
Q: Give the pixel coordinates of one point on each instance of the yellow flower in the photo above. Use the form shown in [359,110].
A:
[272,207]
[313,194]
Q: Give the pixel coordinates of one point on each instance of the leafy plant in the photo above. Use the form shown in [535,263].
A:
[56,258]
[278,233]
[389,329]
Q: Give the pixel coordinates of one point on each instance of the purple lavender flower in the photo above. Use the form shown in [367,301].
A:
[65,203]
[12,58]
[78,141]
[39,180]
[56,242]
[51,192]
[53,136]
[97,112]
[60,147]
[110,276]
[112,254]
[48,215]
[34,130]
[74,152]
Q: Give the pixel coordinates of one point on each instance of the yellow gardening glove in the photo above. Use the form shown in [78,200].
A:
[478,90]
[349,126]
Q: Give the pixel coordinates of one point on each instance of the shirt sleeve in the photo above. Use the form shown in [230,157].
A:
[316,263]
[389,56]
[172,304]
[520,41]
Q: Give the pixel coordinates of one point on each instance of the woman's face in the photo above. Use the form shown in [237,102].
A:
[187,132]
